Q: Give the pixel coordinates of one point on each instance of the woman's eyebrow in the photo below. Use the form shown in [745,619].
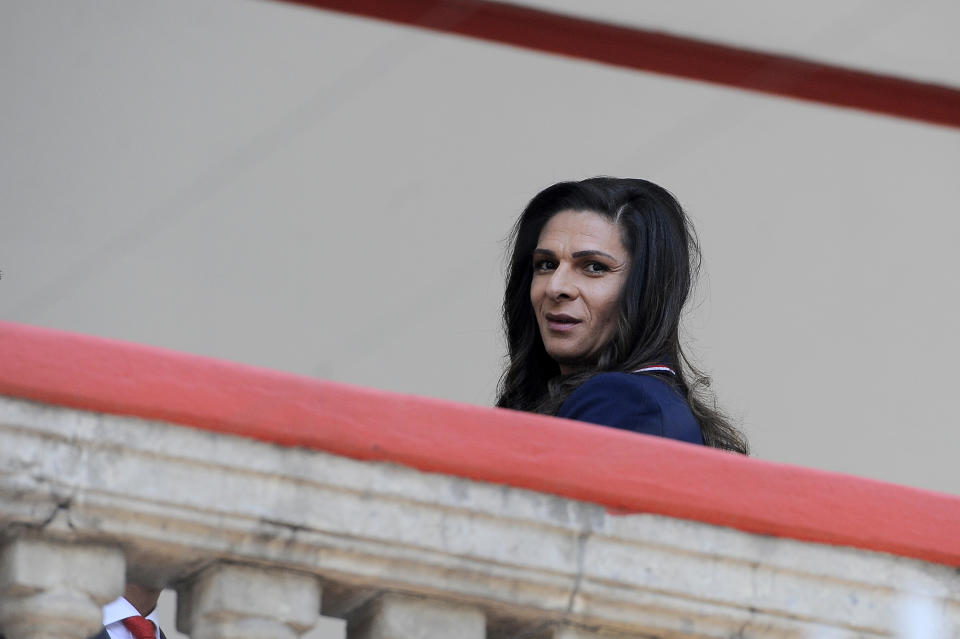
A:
[589,253]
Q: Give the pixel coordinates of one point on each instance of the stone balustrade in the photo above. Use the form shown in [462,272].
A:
[267,534]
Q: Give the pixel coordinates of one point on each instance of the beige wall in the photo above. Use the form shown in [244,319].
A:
[329,196]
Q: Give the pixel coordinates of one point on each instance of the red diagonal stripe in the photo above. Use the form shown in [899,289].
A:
[645,50]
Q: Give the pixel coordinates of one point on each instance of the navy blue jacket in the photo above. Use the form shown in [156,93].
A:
[639,402]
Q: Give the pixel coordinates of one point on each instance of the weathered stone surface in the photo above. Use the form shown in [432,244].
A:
[395,616]
[376,527]
[228,601]
[328,628]
[51,589]
[569,632]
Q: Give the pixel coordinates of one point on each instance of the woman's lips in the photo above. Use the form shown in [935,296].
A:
[560,323]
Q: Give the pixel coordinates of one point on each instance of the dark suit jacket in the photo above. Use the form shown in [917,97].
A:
[103,635]
[639,402]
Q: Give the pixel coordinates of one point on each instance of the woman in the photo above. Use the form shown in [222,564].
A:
[599,275]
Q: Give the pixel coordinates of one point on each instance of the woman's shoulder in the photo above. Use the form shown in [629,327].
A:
[636,402]
[606,382]
[628,387]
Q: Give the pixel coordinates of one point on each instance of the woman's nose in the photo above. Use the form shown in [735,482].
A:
[561,284]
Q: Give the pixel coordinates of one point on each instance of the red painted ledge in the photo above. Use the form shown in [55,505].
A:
[623,471]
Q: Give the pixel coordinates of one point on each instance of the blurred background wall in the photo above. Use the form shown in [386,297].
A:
[329,195]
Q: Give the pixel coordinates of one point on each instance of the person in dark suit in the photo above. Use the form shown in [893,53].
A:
[599,274]
[137,607]
[132,616]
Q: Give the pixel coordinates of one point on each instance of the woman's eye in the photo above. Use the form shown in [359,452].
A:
[544,265]
[595,268]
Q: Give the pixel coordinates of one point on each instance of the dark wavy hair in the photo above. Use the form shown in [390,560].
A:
[665,259]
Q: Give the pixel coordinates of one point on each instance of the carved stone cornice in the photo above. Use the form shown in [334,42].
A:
[176,499]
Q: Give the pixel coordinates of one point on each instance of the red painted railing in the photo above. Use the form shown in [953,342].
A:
[628,473]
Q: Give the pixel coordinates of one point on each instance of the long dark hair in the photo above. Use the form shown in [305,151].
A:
[665,259]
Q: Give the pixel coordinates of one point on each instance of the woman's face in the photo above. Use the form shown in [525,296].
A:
[579,269]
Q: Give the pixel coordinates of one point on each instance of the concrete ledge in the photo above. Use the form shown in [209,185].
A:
[177,499]
[623,471]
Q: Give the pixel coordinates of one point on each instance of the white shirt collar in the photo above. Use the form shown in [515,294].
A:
[660,368]
[119,609]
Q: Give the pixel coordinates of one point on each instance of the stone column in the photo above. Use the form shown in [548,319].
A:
[395,616]
[230,601]
[55,590]
[328,628]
